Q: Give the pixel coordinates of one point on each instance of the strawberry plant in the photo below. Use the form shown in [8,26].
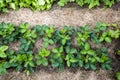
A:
[107,36]
[100,27]
[7,32]
[40,30]
[91,3]
[109,2]
[89,56]
[41,57]
[49,31]
[82,35]
[6,29]
[23,62]
[25,46]
[70,56]
[47,41]
[62,37]
[27,34]
[56,58]
[47,36]
[27,38]
[2,51]
[3,62]
[104,59]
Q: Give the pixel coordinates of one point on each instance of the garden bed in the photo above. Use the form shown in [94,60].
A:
[60,17]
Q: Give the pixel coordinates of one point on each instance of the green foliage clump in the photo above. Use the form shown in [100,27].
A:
[90,3]
[27,38]
[57,58]
[41,58]
[32,4]
[7,32]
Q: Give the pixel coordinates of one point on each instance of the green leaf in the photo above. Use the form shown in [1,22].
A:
[46,44]
[44,52]
[45,39]
[57,55]
[61,49]
[55,64]
[62,3]
[87,66]
[2,54]
[63,41]
[101,39]
[73,50]
[3,70]
[67,49]
[73,60]
[3,48]
[51,41]
[80,2]
[91,52]
[31,64]
[81,63]
[87,46]
[93,67]
[44,62]
[108,39]
[41,2]
[13,6]
[54,50]
[108,67]
[103,28]
[39,62]
[68,63]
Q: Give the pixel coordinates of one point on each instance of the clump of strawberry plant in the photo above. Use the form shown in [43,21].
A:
[90,3]
[107,36]
[23,62]
[7,32]
[63,36]
[32,4]
[27,38]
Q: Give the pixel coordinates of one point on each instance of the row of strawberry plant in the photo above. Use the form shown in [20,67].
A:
[90,3]
[47,4]
[71,46]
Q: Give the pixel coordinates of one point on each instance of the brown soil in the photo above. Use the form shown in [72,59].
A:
[60,17]
[67,74]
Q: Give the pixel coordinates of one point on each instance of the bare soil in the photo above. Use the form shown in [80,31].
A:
[60,17]
[67,74]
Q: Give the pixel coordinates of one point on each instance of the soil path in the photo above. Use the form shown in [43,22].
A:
[62,16]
